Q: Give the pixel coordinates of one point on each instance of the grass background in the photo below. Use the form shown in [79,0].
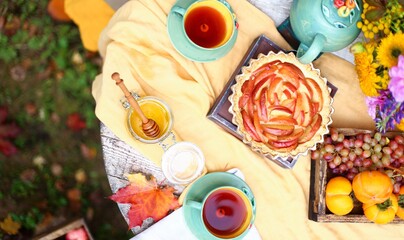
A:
[57,172]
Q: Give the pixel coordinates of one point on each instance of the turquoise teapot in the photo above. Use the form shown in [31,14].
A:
[324,25]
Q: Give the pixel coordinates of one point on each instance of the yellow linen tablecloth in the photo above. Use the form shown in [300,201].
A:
[136,44]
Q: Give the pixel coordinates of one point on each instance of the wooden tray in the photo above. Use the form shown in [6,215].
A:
[319,176]
[219,113]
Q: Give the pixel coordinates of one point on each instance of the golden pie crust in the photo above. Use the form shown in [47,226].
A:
[282,104]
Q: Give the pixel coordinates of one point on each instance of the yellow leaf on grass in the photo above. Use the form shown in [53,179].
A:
[10,226]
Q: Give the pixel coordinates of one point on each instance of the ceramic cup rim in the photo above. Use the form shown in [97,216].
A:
[231,14]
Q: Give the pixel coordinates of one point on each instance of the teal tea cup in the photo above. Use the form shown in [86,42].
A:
[225,210]
[321,26]
[208,24]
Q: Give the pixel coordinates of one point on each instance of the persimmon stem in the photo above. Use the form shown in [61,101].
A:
[396,169]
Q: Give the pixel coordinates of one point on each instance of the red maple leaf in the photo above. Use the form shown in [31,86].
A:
[147,199]
[75,122]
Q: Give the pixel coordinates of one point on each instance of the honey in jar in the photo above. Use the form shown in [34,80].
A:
[156,110]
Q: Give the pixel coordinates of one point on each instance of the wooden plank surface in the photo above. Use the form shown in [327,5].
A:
[121,159]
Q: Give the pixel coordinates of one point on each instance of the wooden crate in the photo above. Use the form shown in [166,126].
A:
[60,232]
[319,176]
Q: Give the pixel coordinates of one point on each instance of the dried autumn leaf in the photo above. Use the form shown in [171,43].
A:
[10,130]
[7,148]
[3,114]
[11,26]
[375,3]
[88,152]
[7,131]
[46,222]
[30,108]
[147,199]
[74,196]
[10,226]
[28,175]
[80,176]
[56,9]
[374,14]
[18,73]
[56,169]
[2,22]
[138,179]
[75,122]
[39,161]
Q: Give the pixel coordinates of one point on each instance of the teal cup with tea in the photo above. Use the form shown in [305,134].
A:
[221,211]
[208,24]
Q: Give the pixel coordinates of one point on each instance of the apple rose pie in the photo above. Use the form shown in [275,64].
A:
[281,106]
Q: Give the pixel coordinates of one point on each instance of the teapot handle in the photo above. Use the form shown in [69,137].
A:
[307,54]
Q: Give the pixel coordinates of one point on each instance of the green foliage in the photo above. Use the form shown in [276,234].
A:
[46,75]
[30,219]
[20,189]
[7,52]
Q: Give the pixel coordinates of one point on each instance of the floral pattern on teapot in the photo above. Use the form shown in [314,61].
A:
[341,16]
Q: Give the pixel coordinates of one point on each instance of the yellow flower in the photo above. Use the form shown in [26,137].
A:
[367,74]
[389,49]
[400,125]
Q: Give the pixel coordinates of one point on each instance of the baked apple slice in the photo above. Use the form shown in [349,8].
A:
[317,93]
[311,130]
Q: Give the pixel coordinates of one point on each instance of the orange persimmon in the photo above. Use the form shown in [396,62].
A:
[400,199]
[372,187]
[337,198]
[381,213]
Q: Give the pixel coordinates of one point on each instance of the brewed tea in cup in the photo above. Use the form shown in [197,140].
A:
[226,212]
[208,24]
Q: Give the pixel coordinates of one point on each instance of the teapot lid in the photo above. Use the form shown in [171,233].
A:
[342,13]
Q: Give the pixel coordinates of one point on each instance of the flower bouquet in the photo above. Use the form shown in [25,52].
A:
[379,62]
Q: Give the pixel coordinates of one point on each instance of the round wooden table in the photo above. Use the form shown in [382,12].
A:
[121,159]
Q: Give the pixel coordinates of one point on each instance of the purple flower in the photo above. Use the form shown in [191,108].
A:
[396,85]
[374,102]
[385,110]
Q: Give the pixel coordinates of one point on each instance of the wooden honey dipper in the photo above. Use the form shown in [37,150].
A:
[149,126]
